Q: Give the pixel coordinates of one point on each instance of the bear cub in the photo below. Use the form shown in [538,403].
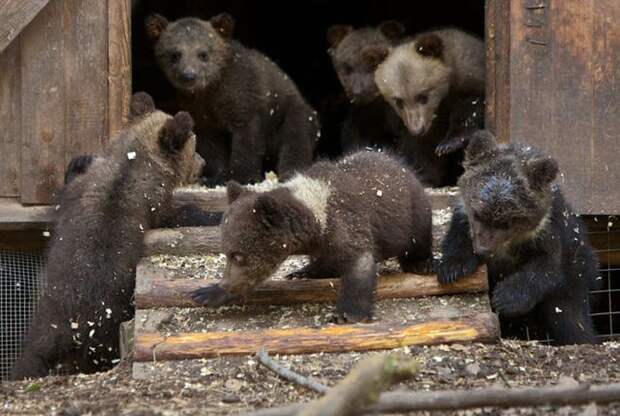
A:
[355,54]
[108,203]
[435,83]
[250,116]
[346,215]
[511,217]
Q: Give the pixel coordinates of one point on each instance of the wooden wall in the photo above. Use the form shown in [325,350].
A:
[64,87]
[555,84]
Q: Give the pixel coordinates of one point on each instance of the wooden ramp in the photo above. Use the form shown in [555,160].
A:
[289,316]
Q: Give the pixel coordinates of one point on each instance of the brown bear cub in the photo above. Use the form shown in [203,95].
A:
[512,218]
[250,116]
[355,53]
[102,215]
[426,80]
[345,215]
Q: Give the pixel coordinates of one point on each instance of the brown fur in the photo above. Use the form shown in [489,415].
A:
[346,215]
[250,116]
[97,242]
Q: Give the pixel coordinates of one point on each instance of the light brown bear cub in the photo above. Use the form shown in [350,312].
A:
[250,116]
[346,215]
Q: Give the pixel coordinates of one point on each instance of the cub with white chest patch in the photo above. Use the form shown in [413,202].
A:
[540,262]
[428,81]
[346,215]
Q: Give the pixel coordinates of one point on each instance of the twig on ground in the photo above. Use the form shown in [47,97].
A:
[290,375]
[408,401]
[362,386]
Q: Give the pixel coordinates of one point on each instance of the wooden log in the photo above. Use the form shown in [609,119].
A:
[156,287]
[126,334]
[14,216]
[182,241]
[483,327]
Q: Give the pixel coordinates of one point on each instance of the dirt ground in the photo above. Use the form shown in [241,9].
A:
[225,386]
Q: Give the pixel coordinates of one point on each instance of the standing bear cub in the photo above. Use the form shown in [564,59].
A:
[512,218]
[250,116]
[105,208]
[346,215]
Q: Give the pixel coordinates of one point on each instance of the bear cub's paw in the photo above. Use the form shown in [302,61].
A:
[449,270]
[509,300]
[212,295]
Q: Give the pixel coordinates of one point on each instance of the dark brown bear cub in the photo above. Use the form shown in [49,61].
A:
[346,215]
[102,215]
[512,218]
[355,54]
[250,116]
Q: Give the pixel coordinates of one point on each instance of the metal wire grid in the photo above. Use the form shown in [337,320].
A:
[20,285]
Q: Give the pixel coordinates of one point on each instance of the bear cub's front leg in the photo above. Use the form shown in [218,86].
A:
[357,291]
[458,258]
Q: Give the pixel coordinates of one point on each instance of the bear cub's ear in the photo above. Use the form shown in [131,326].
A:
[480,142]
[374,55]
[541,172]
[336,33]
[234,190]
[155,25]
[141,104]
[224,24]
[176,132]
[392,30]
[429,45]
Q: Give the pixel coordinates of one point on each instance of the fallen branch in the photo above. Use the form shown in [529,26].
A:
[289,375]
[362,386]
[409,401]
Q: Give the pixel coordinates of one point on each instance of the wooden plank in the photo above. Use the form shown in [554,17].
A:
[156,287]
[119,63]
[14,216]
[563,61]
[10,119]
[481,327]
[15,16]
[605,70]
[42,111]
[85,66]
[498,23]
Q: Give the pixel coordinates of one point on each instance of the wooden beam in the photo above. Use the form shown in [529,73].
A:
[182,241]
[119,63]
[15,16]
[14,216]
[483,327]
[158,288]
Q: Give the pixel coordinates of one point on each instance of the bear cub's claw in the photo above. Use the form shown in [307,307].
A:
[450,270]
[212,295]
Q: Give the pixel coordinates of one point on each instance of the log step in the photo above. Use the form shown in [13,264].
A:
[158,287]
[153,346]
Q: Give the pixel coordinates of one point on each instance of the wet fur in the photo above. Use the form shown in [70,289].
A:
[250,116]
[375,209]
[540,262]
[102,215]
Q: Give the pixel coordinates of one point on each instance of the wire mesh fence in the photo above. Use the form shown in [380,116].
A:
[20,285]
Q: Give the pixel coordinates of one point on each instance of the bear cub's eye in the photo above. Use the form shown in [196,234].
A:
[421,98]
[175,57]
[237,259]
[203,56]
[347,69]
[399,103]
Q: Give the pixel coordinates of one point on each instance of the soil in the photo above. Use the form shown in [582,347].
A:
[231,385]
